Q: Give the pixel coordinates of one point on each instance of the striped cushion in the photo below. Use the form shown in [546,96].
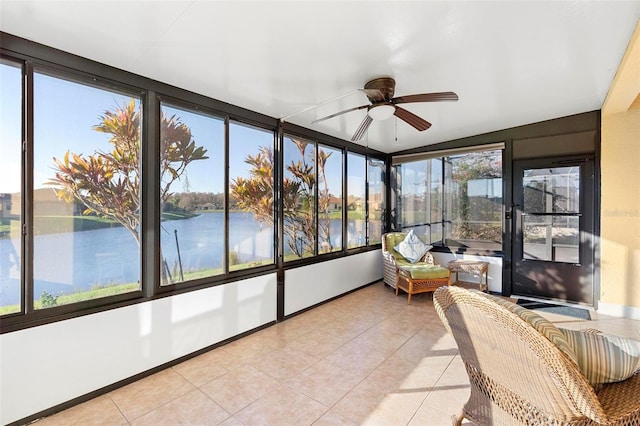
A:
[542,325]
[604,358]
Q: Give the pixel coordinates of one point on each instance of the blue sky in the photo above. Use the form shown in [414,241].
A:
[65,112]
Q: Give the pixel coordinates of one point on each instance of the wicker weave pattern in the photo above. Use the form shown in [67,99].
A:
[388,262]
[418,285]
[519,377]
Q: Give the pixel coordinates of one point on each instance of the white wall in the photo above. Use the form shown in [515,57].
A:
[44,366]
[309,285]
[495,268]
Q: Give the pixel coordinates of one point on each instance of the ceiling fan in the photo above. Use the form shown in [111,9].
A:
[383,105]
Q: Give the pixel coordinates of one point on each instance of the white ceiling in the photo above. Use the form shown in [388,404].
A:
[511,63]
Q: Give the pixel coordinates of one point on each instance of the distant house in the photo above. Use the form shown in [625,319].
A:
[335,204]
[50,205]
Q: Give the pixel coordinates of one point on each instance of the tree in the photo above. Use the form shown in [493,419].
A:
[299,223]
[108,183]
[324,203]
[255,194]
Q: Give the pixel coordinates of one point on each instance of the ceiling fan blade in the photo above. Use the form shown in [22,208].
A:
[362,129]
[412,119]
[426,97]
[339,113]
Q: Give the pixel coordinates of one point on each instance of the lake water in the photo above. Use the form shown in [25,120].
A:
[69,262]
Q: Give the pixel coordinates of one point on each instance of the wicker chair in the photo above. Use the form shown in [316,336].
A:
[419,277]
[389,256]
[519,377]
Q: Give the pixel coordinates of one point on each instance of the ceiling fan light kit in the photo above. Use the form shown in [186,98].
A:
[383,105]
[381,112]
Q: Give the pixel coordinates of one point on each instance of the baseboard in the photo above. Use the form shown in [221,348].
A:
[622,311]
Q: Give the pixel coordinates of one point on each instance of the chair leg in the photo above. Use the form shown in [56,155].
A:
[456,420]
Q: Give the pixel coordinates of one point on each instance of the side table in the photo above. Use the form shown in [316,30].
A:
[474,267]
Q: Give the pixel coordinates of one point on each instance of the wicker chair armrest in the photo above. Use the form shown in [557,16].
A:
[428,258]
[389,257]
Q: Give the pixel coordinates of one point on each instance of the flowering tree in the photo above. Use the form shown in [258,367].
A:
[108,183]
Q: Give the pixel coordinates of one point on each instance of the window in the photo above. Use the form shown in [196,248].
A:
[435,195]
[413,197]
[86,192]
[551,224]
[473,210]
[420,198]
[356,200]
[376,200]
[298,192]
[251,195]
[102,205]
[330,203]
[191,195]
[453,200]
[10,187]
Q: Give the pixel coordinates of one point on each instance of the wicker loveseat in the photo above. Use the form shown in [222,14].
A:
[417,277]
[519,376]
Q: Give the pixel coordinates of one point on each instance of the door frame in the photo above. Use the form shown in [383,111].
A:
[589,199]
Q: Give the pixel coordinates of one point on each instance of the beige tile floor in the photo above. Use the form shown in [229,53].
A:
[365,358]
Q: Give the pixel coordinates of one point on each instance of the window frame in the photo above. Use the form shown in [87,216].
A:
[84,71]
[29,316]
[229,121]
[443,155]
[365,198]
[319,146]
[21,66]
[312,194]
[204,112]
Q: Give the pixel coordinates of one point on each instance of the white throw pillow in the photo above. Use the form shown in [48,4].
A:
[412,248]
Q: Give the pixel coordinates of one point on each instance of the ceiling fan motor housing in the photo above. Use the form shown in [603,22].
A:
[385,85]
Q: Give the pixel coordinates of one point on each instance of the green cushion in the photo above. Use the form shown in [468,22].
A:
[424,271]
[401,261]
[542,325]
[604,358]
[393,239]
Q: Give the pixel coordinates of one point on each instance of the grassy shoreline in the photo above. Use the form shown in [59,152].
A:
[45,225]
[100,291]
